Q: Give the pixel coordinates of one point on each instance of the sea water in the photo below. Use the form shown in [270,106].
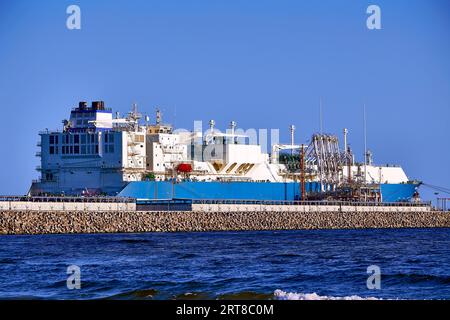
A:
[323,264]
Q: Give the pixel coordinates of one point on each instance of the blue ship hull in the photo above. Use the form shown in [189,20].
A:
[245,190]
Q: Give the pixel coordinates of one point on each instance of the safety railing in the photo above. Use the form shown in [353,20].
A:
[68,199]
[284,202]
[180,201]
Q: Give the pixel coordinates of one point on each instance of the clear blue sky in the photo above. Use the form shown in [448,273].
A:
[262,63]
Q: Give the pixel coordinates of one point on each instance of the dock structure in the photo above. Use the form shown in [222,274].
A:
[98,204]
[61,215]
[93,204]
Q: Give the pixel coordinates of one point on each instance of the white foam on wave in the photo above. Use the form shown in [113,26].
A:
[283,295]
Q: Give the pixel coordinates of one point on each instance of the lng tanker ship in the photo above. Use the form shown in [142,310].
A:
[97,153]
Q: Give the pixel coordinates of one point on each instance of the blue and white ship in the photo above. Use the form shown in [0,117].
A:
[98,153]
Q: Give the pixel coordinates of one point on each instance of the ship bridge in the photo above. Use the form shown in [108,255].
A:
[83,117]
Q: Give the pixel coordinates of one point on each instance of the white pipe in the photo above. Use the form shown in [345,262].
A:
[345,140]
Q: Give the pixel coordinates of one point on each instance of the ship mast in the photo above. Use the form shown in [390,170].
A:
[321,116]
[365,146]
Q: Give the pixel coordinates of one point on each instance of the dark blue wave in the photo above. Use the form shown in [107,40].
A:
[415,264]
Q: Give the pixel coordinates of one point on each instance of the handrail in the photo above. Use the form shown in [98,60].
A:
[107,199]
[68,199]
[283,202]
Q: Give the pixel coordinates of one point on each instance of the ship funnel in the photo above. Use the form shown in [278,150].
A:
[82,105]
[98,105]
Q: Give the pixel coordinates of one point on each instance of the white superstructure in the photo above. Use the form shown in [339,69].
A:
[94,153]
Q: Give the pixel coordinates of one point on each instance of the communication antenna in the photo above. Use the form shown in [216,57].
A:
[175,116]
[158,116]
[211,125]
[292,130]
[320,115]
[134,114]
[348,157]
[233,129]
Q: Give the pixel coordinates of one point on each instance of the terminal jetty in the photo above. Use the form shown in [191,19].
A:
[79,215]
